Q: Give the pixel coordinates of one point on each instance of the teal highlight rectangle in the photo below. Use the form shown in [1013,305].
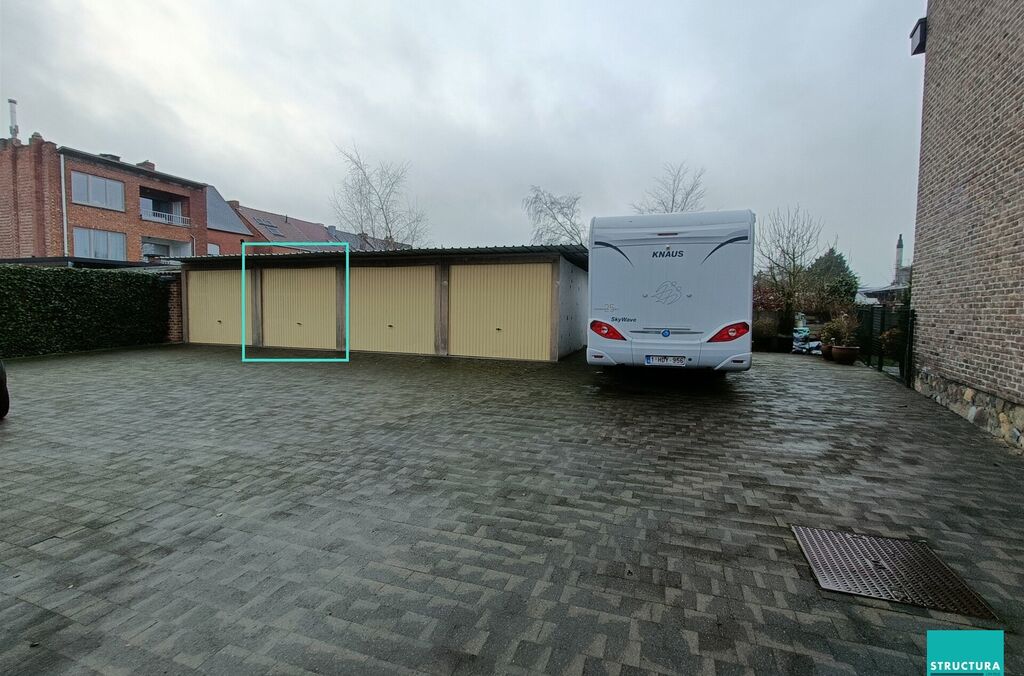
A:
[282,360]
[965,652]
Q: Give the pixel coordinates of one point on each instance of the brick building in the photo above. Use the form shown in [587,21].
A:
[968,287]
[109,209]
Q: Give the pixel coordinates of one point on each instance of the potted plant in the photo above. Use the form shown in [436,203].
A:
[827,336]
[844,339]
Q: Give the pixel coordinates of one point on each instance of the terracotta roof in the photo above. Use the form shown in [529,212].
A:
[284,228]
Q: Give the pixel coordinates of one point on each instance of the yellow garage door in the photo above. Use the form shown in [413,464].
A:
[393,309]
[500,311]
[214,310]
[300,308]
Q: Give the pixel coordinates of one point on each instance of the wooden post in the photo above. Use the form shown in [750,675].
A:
[441,277]
[340,305]
[257,306]
[556,280]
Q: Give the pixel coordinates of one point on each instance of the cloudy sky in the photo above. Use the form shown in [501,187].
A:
[816,103]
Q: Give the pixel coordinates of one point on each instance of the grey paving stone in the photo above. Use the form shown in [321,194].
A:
[172,510]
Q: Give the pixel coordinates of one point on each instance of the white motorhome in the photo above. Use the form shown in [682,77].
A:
[672,290]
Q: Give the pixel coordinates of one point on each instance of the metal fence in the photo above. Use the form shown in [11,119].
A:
[886,338]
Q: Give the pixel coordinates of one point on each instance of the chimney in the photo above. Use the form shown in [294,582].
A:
[14,119]
[332,231]
[899,260]
[233,204]
[147,165]
[110,156]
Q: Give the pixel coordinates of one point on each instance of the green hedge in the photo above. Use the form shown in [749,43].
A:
[50,310]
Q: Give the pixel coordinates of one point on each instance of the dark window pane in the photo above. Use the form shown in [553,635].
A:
[79,187]
[82,243]
[99,244]
[116,240]
[97,191]
[115,195]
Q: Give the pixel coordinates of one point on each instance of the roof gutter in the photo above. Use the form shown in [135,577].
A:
[130,168]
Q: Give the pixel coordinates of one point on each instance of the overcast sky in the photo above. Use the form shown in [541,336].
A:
[815,103]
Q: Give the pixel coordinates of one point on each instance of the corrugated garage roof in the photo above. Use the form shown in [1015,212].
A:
[574,253]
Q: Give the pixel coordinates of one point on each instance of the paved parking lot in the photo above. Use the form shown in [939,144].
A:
[173,511]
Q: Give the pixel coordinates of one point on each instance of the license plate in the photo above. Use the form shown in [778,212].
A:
[660,360]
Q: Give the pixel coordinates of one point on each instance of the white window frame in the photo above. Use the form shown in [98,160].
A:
[147,249]
[92,237]
[96,184]
[175,248]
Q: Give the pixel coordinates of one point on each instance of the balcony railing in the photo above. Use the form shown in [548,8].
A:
[162,217]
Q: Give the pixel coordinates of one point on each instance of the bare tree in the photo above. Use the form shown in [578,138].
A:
[555,218]
[372,201]
[787,245]
[677,189]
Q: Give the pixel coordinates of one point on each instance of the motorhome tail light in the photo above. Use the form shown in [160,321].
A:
[731,332]
[606,330]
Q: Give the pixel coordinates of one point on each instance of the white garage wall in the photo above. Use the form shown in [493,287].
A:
[572,308]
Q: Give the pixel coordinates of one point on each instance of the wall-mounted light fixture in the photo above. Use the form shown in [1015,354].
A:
[919,36]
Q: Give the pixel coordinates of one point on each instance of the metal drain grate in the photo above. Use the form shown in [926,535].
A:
[886,568]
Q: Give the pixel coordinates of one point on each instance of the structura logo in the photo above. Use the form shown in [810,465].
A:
[965,652]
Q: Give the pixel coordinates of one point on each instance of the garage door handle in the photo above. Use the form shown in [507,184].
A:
[219,321]
[299,323]
[391,326]
[497,328]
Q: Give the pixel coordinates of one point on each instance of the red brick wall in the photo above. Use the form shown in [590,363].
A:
[30,222]
[969,247]
[30,205]
[130,220]
[174,325]
[230,242]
